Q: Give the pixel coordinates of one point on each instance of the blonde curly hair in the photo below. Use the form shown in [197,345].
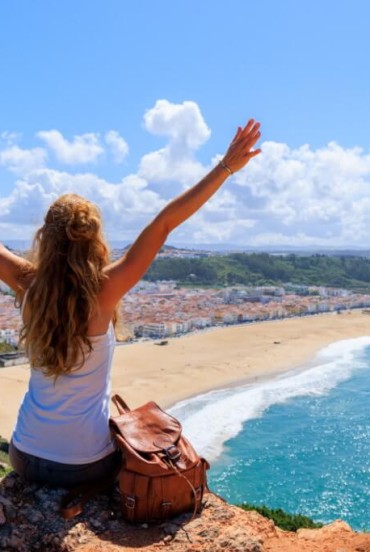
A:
[68,256]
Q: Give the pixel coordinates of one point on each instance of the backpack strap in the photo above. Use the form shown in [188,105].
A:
[120,404]
[196,492]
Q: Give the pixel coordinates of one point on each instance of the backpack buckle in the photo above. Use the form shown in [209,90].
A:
[198,493]
[166,505]
[172,453]
[130,502]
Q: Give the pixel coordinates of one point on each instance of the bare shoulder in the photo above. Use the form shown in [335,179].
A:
[112,289]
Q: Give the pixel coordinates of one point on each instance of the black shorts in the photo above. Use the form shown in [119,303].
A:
[40,470]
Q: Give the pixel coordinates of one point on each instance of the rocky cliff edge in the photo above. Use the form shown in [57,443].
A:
[30,522]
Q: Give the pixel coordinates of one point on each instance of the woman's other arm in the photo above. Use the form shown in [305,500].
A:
[13,269]
[125,272]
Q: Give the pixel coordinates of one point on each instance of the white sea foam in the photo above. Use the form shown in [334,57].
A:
[212,418]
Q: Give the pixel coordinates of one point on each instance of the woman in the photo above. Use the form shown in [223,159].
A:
[69,292]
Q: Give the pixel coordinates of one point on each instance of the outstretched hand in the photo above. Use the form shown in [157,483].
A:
[241,151]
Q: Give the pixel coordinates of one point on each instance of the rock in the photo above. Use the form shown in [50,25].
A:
[2,515]
[9,508]
[96,524]
[35,517]
[16,543]
[337,527]
[9,481]
[5,501]
[170,528]
[30,521]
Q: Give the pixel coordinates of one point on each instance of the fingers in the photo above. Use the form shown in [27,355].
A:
[250,140]
[250,131]
[253,138]
[254,130]
[251,127]
[253,153]
[248,127]
[239,130]
[241,149]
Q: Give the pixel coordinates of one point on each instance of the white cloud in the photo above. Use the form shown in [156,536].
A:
[186,130]
[222,231]
[319,191]
[163,165]
[22,161]
[10,138]
[84,148]
[126,206]
[181,123]
[118,145]
[285,196]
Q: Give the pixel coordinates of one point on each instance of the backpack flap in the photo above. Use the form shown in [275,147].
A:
[148,429]
[148,432]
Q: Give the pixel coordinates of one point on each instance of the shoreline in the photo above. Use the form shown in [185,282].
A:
[204,361]
[155,340]
[228,356]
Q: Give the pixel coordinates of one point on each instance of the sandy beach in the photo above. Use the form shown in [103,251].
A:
[199,362]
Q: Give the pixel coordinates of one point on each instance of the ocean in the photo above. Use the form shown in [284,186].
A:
[299,441]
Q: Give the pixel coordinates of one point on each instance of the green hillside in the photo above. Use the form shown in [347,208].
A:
[264,269]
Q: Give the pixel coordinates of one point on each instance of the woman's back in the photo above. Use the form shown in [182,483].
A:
[66,419]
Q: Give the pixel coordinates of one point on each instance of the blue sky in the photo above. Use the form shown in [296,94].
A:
[130,102]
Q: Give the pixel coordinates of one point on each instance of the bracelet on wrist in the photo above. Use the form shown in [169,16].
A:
[226,168]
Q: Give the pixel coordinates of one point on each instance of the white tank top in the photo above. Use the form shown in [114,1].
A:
[67,420]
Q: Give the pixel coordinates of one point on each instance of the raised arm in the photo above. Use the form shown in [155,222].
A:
[13,269]
[125,273]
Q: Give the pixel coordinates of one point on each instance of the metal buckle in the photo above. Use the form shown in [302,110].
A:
[174,455]
[130,502]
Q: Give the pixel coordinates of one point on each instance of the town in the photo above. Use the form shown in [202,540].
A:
[156,310]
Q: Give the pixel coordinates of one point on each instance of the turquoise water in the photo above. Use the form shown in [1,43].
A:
[299,442]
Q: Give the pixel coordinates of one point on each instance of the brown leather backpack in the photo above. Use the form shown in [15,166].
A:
[161,474]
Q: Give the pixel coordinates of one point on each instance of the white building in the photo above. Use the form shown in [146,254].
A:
[155,329]
[9,336]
